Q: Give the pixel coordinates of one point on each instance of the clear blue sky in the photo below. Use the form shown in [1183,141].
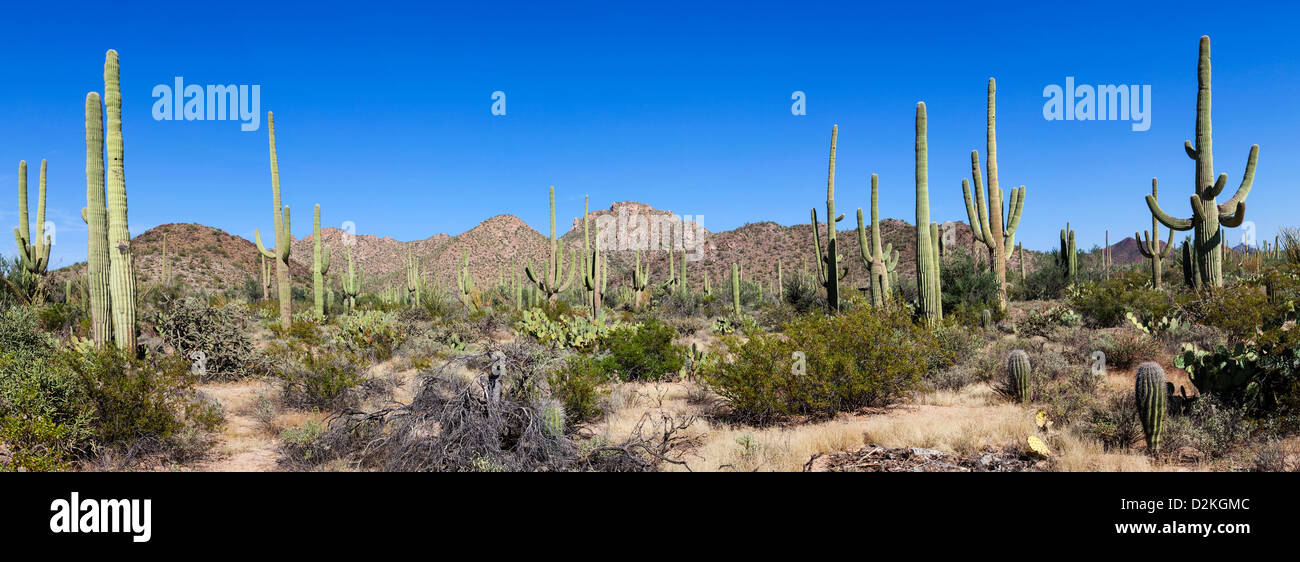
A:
[383,111]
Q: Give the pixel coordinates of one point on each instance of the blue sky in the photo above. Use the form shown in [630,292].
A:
[383,111]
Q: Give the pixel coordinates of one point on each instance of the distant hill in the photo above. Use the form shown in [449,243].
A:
[211,260]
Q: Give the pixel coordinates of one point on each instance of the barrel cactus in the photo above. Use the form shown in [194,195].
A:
[1018,373]
[1149,391]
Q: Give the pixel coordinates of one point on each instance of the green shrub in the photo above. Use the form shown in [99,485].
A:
[371,334]
[968,291]
[1238,309]
[1127,347]
[1209,426]
[1104,303]
[644,352]
[860,358]
[137,398]
[320,379]
[221,334]
[577,386]
[1115,425]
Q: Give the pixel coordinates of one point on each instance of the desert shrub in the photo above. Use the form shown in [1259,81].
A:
[577,386]
[952,343]
[371,334]
[1210,426]
[863,357]
[221,334]
[1237,309]
[44,415]
[1043,323]
[1104,303]
[37,444]
[1067,392]
[643,352]
[1127,347]
[320,379]
[1114,424]
[968,291]
[1044,282]
[299,444]
[800,292]
[62,317]
[137,398]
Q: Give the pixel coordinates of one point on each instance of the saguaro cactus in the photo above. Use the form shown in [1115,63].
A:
[592,265]
[553,281]
[640,280]
[1018,374]
[280,253]
[929,297]
[166,264]
[1207,213]
[1020,257]
[95,213]
[880,261]
[1105,255]
[465,284]
[266,277]
[33,255]
[412,279]
[320,264]
[988,225]
[1149,243]
[735,289]
[1149,390]
[1068,258]
[121,264]
[829,272]
[350,283]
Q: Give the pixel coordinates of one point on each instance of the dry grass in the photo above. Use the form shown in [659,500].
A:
[966,421]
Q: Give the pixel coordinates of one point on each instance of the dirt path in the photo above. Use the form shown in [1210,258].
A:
[244,443]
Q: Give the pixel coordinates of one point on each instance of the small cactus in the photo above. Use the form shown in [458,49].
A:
[1018,373]
[1149,390]
[986,319]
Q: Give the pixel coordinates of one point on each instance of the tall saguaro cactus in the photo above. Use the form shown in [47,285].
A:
[320,264]
[988,225]
[829,272]
[280,253]
[1068,259]
[735,289]
[465,284]
[1149,243]
[33,255]
[553,281]
[592,266]
[350,283]
[412,279]
[880,261]
[1207,213]
[121,261]
[640,281]
[929,297]
[95,213]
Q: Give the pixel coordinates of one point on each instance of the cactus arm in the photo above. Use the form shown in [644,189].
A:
[1014,210]
[1191,152]
[982,204]
[1234,220]
[1144,243]
[1169,244]
[1229,207]
[817,249]
[1164,218]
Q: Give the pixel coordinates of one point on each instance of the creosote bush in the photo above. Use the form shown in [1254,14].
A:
[861,358]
